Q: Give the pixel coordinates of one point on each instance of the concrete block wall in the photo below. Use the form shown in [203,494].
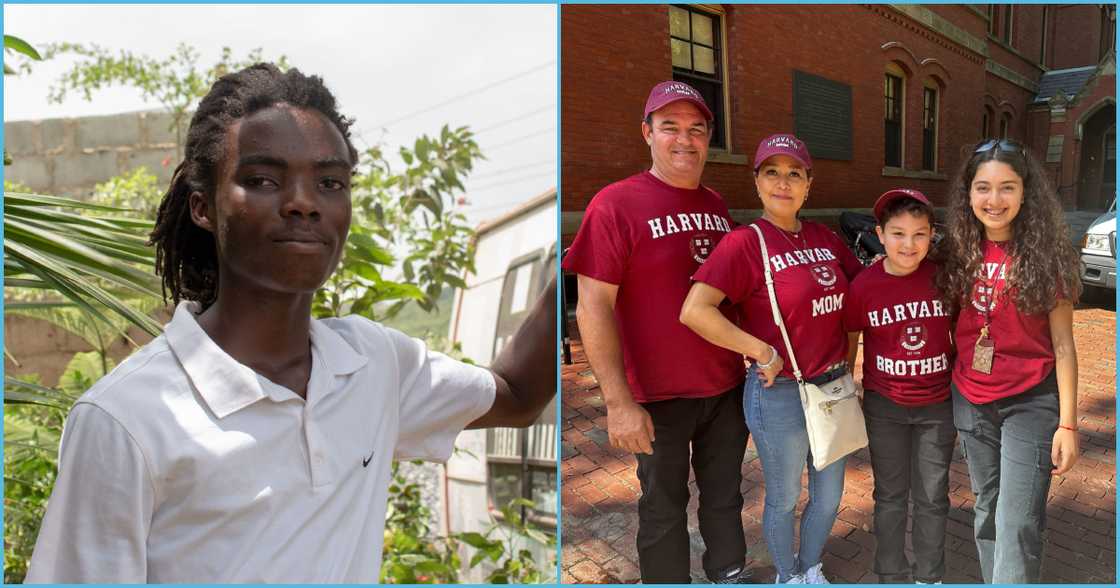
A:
[69,156]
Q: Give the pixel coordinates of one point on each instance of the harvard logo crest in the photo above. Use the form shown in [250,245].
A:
[701,246]
[982,298]
[914,337]
[824,274]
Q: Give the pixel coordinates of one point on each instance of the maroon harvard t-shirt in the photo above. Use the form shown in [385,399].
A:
[648,238]
[811,273]
[1024,353]
[907,348]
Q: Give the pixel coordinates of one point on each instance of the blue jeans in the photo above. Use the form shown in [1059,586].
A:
[1007,445]
[777,423]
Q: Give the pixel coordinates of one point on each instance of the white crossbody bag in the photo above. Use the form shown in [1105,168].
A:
[833,415]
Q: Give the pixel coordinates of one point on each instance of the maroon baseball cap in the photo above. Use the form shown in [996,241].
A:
[897,194]
[782,144]
[671,91]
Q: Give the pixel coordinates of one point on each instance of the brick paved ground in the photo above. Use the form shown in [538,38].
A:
[600,490]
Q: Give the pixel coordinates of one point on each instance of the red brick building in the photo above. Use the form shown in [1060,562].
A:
[884,96]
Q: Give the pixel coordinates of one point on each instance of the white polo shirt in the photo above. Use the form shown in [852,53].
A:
[183,465]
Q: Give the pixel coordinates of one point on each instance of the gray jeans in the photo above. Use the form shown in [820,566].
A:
[1007,444]
[910,453]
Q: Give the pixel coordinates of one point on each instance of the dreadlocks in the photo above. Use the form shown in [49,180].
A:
[186,256]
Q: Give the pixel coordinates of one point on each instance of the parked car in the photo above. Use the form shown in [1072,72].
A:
[1098,252]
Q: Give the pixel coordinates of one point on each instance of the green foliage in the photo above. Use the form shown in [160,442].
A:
[177,81]
[94,258]
[406,214]
[136,192]
[502,543]
[411,553]
[33,419]
[16,46]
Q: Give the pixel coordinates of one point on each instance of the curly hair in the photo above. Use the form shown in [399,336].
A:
[186,256]
[1044,262]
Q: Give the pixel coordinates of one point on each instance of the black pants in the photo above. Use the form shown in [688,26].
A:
[911,449]
[716,432]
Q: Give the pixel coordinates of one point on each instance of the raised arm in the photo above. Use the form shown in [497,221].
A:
[525,370]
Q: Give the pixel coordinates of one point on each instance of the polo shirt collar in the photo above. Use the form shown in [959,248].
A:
[226,385]
[338,356]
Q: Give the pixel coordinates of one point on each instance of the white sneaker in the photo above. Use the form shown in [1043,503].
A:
[794,579]
[815,575]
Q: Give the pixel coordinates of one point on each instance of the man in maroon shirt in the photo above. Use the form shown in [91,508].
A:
[672,398]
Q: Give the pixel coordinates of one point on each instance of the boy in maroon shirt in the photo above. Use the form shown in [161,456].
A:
[907,365]
[672,398]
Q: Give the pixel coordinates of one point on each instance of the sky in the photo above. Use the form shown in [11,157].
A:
[400,71]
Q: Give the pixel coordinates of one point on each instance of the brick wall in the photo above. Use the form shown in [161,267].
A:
[1075,36]
[612,55]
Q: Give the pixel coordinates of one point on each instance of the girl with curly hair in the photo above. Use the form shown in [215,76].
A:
[1011,273]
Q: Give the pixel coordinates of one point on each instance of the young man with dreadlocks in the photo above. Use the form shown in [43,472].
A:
[250,443]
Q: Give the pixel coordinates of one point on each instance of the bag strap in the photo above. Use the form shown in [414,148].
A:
[774,303]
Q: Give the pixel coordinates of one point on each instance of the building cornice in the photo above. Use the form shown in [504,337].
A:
[1003,72]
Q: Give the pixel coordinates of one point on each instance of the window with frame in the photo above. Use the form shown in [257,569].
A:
[1108,30]
[993,19]
[892,119]
[985,123]
[695,41]
[521,463]
[1004,126]
[929,128]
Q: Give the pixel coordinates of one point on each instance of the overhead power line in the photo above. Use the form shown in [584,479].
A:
[517,139]
[507,170]
[524,116]
[472,92]
[509,181]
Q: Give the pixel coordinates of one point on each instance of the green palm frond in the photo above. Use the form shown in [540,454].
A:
[96,261]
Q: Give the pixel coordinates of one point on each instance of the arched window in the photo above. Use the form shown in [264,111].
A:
[986,123]
[930,99]
[894,100]
[1004,125]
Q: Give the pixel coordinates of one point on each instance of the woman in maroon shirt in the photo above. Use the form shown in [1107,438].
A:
[811,267]
[1011,272]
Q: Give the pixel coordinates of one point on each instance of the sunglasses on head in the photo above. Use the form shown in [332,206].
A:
[1003,144]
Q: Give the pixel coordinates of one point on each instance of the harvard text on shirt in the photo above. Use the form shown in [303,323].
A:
[800,257]
[902,312]
[691,221]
